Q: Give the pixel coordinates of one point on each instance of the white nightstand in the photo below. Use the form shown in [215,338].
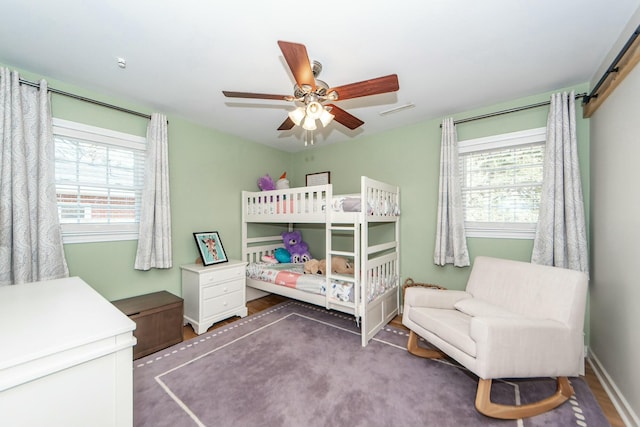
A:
[213,293]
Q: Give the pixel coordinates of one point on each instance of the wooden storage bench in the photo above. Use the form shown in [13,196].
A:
[158,318]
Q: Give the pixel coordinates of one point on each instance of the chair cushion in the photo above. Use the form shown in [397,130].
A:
[477,307]
[450,325]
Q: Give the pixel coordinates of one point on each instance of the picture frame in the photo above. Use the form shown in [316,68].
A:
[318,178]
[210,247]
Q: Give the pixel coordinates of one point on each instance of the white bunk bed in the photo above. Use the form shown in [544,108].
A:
[374,286]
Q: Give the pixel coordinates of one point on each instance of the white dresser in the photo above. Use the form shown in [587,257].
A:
[213,293]
[66,357]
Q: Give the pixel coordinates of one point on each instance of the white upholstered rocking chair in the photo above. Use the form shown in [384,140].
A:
[514,320]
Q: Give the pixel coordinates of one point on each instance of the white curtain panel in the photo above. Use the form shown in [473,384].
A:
[561,235]
[451,241]
[154,240]
[30,236]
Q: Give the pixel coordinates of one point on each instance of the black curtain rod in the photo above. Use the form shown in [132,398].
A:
[510,110]
[613,68]
[89,100]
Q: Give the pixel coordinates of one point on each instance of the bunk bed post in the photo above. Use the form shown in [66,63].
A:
[399,277]
[364,257]
[245,248]
[328,233]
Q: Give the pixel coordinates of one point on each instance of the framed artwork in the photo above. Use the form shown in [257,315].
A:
[210,247]
[318,178]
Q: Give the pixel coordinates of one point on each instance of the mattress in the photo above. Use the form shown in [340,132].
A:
[292,276]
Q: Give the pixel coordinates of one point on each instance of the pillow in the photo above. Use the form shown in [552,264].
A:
[475,307]
[351,204]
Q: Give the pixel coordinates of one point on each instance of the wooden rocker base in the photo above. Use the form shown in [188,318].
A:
[511,412]
[413,348]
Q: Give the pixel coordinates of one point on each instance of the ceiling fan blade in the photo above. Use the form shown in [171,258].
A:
[341,116]
[367,87]
[287,124]
[231,94]
[298,61]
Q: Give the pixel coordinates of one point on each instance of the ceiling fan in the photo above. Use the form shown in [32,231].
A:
[315,96]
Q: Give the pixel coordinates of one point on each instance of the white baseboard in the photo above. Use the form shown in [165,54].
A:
[627,414]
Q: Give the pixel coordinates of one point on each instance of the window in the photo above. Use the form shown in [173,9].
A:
[501,179]
[99,180]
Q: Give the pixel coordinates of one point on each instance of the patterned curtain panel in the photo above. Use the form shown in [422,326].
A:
[451,241]
[30,236]
[561,235]
[154,240]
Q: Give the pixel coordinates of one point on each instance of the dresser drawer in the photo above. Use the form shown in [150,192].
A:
[222,275]
[216,290]
[223,303]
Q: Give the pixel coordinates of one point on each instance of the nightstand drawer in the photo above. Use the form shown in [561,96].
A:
[223,303]
[216,290]
[222,275]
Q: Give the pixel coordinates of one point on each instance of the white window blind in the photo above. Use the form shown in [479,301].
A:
[501,183]
[99,181]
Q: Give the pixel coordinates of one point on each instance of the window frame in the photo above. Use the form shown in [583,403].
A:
[99,232]
[501,230]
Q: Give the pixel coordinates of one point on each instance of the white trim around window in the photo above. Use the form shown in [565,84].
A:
[99,231]
[502,230]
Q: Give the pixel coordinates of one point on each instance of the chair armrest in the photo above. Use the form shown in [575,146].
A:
[433,298]
[524,347]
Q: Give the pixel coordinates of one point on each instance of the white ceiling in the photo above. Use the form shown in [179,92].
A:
[450,55]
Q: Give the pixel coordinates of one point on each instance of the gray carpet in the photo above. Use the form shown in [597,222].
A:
[299,365]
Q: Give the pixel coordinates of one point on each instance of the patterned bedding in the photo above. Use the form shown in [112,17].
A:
[292,275]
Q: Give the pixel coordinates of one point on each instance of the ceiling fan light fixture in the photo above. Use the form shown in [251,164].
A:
[314,110]
[326,117]
[297,115]
[309,123]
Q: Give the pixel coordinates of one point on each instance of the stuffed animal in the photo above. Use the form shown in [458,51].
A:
[283,182]
[312,266]
[265,183]
[298,249]
[269,259]
[300,253]
[291,238]
[341,265]
[282,255]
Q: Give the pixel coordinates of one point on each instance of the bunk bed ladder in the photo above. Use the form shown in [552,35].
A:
[353,255]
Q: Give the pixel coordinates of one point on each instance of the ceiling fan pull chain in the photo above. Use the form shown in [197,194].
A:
[308,137]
